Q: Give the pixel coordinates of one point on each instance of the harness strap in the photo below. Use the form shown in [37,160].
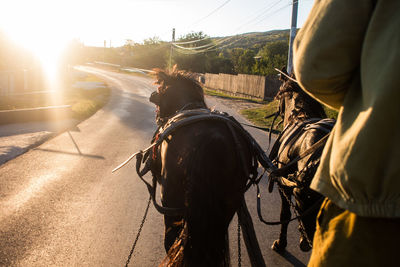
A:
[304,214]
[313,148]
[189,117]
[153,188]
[174,125]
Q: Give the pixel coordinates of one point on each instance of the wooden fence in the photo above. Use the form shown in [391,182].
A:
[20,81]
[252,86]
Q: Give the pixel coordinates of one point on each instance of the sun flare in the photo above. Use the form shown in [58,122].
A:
[41,28]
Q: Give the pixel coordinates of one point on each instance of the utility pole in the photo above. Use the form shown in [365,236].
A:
[104,51]
[292,35]
[170,53]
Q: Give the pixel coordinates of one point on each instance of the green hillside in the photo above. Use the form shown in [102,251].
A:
[255,40]
[248,53]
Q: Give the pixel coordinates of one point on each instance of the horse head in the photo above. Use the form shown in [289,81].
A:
[294,103]
[176,91]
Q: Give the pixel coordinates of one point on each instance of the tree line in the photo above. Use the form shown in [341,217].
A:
[255,59]
[255,56]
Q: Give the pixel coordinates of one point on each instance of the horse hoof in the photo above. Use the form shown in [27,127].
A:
[304,245]
[278,247]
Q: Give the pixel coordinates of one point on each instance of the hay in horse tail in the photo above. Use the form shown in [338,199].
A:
[211,204]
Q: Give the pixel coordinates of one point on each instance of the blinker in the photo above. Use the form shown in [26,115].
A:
[155,98]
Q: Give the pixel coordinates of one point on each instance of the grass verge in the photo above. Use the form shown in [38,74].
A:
[257,115]
[223,95]
[84,102]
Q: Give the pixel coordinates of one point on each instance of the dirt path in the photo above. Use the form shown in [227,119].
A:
[237,104]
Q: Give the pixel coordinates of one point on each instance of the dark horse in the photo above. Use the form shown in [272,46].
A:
[203,168]
[297,152]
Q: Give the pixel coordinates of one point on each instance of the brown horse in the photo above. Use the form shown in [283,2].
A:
[305,126]
[203,167]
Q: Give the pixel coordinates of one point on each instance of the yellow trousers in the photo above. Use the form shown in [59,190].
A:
[343,238]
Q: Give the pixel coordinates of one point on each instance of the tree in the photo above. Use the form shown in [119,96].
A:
[273,55]
[192,59]
[152,41]
[242,60]
[219,64]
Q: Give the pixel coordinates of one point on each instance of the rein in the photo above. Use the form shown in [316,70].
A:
[276,174]
[305,213]
[178,121]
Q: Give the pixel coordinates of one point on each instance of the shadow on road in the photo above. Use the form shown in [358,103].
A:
[292,259]
[34,127]
[70,153]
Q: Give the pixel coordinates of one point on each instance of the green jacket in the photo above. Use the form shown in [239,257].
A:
[347,55]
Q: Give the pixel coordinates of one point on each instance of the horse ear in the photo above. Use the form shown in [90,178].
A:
[281,76]
[163,76]
[175,68]
[160,76]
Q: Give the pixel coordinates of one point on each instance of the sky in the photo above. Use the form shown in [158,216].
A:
[41,24]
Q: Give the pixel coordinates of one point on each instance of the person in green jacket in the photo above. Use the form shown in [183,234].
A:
[346,56]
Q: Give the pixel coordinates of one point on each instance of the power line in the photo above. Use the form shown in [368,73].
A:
[259,14]
[194,48]
[265,9]
[193,41]
[211,13]
[203,18]
[212,47]
[265,16]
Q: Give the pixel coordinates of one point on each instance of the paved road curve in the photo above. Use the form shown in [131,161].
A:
[61,206]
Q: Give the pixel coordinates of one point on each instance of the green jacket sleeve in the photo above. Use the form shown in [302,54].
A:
[327,49]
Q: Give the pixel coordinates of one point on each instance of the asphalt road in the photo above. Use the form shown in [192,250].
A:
[61,206]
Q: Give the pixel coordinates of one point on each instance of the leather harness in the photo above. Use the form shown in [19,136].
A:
[184,118]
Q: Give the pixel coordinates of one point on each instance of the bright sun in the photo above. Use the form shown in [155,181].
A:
[42,27]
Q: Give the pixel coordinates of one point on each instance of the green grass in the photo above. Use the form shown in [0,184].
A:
[211,92]
[84,103]
[331,113]
[257,115]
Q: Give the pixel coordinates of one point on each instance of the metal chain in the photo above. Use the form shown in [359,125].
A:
[138,234]
[239,246]
[293,206]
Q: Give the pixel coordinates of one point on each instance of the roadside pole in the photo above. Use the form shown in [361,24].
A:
[170,53]
[292,35]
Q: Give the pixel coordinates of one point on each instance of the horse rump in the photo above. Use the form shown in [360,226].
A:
[214,190]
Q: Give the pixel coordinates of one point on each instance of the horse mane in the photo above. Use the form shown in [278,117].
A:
[307,107]
[203,238]
[179,80]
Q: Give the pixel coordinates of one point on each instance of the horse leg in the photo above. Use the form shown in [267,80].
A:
[280,244]
[306,199]
[173,224]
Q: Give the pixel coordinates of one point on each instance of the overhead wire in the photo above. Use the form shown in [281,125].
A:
[270,14]
[203,18]
[211,13]
[259,14]
[213,47]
